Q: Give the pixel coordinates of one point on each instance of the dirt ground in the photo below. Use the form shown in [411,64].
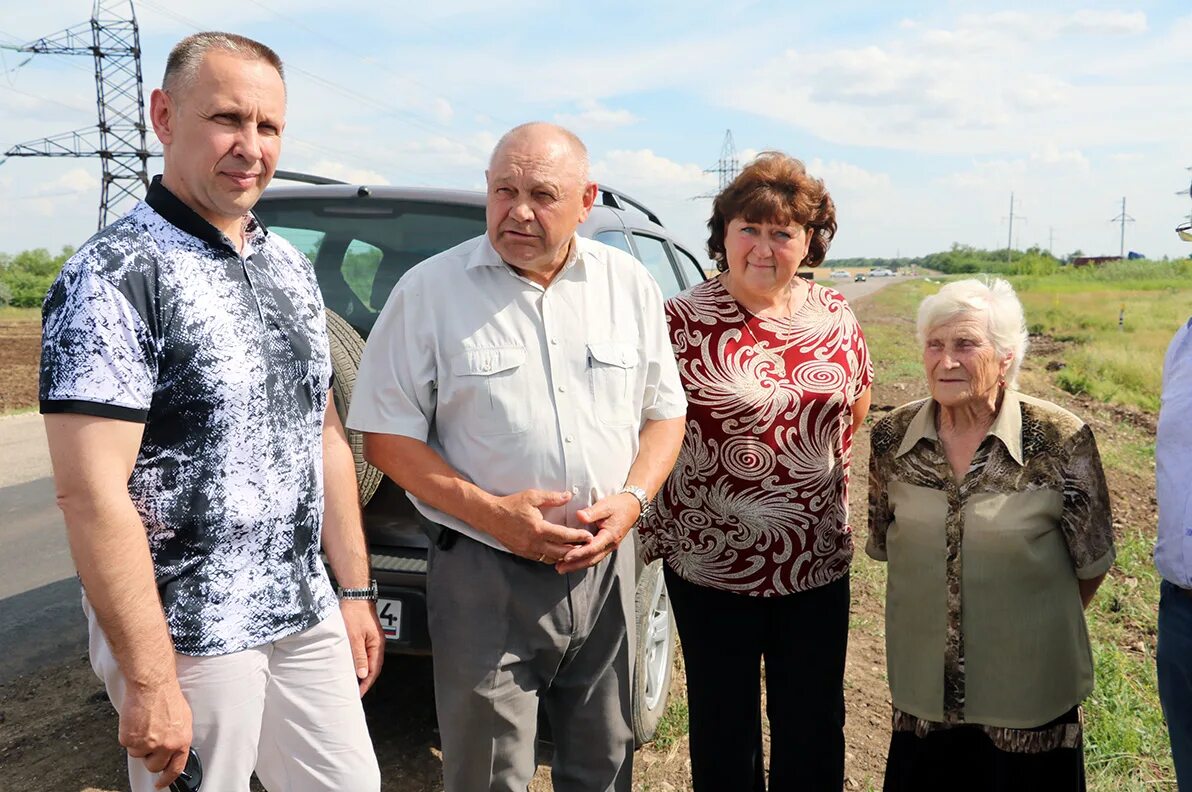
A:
[20,351]
[58,730]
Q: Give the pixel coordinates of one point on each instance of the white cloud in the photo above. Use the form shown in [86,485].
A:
[997,84]
[1106,23]
[593,115]
[346,173]
[844,177]
[644,169]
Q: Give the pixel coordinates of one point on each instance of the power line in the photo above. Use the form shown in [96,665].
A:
[119,139]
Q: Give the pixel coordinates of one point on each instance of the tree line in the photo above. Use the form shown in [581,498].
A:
[26,277]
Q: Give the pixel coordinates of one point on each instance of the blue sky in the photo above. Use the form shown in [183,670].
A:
[922,117]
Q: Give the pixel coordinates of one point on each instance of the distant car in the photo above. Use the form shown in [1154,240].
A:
[840,274]
[881,273]
[860,278]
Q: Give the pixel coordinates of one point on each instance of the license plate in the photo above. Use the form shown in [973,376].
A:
[389,612]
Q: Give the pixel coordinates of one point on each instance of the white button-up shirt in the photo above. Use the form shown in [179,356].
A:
[1173,463]
[519,386]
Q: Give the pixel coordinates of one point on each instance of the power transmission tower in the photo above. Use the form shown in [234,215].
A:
[1123,218]
[727,166]
[118,139]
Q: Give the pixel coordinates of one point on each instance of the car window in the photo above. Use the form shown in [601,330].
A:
[361,248]
[652,252]
[306,240]
[692,272]
[614,238]
[361,261]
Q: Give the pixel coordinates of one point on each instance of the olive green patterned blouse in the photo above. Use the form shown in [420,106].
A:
[984,622]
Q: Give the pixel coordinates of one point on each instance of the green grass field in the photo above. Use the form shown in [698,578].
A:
[1126,739]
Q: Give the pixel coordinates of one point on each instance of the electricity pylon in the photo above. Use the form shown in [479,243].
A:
[118,139]
[727,166]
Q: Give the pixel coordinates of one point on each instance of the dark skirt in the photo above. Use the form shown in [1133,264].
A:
[925,757]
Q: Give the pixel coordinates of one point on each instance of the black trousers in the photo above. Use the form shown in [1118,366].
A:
[965,758]
[803,638]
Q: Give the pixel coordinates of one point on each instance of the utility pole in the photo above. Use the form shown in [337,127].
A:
[1123,218]
[726,167]
[119,139]
[1050,240]
[1010,233]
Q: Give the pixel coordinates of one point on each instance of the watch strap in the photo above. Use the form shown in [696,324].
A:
[642,499]
[369,593]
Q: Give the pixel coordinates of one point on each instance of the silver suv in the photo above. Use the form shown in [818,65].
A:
[362,240]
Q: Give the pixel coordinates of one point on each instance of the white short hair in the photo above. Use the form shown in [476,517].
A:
[992,299]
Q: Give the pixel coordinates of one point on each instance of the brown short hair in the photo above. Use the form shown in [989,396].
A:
[183,64]
[775,188]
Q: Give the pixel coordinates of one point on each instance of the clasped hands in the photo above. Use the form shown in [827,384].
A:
[519,525]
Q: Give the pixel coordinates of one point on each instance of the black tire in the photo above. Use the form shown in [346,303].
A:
[346,348]
[654,666]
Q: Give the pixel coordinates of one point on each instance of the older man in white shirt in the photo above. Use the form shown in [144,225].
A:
[521,387]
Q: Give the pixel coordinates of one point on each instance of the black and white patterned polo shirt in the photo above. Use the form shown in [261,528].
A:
[157,319]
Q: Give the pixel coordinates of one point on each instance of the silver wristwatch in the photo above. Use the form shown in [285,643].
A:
[369,593]
[640,494]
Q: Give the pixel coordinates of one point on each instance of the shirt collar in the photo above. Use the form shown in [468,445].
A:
[187,220]
[487,256]
[1007,426]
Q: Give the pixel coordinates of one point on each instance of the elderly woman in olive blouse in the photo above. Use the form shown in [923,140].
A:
[991,510]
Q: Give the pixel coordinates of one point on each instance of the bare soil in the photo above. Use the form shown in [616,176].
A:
[58,730]
[20,352]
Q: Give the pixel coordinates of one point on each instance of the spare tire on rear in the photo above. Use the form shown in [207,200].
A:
[346,349]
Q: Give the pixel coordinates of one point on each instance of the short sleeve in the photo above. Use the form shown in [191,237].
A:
[864,377]
[395,386]
[97,354]
[862,374]
[664,397]
[1086,521]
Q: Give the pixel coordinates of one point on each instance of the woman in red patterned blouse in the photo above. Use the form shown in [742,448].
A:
[753,522]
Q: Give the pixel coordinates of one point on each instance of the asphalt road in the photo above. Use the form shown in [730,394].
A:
[41,621]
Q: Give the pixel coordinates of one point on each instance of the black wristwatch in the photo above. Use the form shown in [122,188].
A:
[369,593]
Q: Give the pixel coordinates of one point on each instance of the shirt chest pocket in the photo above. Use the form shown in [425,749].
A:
[612,372]
[492,390]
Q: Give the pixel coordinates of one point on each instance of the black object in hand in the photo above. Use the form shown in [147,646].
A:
[191,777]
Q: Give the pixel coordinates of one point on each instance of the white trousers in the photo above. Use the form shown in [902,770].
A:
[290,710]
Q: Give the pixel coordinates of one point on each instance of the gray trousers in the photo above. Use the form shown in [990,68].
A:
[507,634]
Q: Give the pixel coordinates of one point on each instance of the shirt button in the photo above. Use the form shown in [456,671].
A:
[569,439]
[562,389]
[554,342]
[575,490]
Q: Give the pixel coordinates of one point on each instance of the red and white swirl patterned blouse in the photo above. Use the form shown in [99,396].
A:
[758,501]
